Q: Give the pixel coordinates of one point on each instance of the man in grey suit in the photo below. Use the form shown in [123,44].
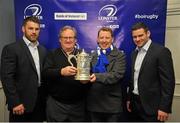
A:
[152,85]
[21,65]
[104,100]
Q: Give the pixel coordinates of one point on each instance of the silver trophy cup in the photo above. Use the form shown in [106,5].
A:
[83,65]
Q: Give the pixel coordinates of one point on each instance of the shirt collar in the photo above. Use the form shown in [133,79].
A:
[29,43]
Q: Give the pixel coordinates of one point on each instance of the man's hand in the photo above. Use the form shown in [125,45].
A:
[128,106]
[68,71]
[84,81]
[162,116]
[92,78]
[19,110]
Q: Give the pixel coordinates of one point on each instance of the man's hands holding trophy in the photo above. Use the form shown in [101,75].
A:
[71,71]
[82,72]
[68,71]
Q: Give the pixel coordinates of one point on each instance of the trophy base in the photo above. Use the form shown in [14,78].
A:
[82,77]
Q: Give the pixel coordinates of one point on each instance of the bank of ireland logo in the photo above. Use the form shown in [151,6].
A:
[107,13]
[33,10]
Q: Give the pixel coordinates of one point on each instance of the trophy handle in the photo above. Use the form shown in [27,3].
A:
[70,57]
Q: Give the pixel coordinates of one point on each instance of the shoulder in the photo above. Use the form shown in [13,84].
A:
[159,51]
[159,48]
[12,49]
[53,52]
[12,46]
[118,52]
[42,47]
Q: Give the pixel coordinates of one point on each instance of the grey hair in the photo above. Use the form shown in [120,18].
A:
[67,27]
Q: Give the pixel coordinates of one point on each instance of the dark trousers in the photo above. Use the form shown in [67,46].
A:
[61,112]
[138,113]
[105,117]
[38,114]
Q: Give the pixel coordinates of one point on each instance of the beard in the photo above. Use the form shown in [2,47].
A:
[32,38]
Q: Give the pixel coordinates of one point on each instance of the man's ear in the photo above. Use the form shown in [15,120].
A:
[23,30]
[98,43]
[148,33]
[112,41]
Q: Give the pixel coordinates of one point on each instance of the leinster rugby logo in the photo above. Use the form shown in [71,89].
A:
[33,10]
[107,13]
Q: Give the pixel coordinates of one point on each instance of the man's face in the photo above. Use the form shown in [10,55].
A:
[140,37]
[105,39]
[31,31]
[67,40]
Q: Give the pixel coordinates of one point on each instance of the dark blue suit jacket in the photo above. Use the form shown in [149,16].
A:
[19,76]
[156,79]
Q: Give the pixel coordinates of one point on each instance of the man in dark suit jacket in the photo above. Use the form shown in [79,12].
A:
[21,65]
[152,86]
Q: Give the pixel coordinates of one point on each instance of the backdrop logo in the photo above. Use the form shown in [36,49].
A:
[70,16]
[33,10]
[107,13]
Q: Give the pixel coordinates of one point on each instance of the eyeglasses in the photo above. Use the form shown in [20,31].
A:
[66,38]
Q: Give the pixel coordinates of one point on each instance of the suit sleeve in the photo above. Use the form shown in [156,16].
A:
[167,80]
[8,76]
[116,73]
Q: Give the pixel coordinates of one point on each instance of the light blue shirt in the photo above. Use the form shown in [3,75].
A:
[138,62]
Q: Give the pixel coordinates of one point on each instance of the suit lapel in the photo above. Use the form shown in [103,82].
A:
[94,58]
[26,49]
[134,55]
[147,56]
[40,57]
[111,57]
[133,59]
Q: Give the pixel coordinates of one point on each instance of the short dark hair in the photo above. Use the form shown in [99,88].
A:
[31,18]
[106,29]
[140,25]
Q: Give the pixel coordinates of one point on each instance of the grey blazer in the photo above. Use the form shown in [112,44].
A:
[105,94]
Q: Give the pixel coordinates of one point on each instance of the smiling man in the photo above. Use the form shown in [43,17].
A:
[21,64]
[152,84]
[104,101]
[66,100]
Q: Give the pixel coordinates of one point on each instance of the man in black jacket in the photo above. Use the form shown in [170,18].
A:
[66,100]
[152,86]
[21,64]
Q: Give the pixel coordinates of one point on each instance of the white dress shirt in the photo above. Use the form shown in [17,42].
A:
[33,47]
[138,62]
